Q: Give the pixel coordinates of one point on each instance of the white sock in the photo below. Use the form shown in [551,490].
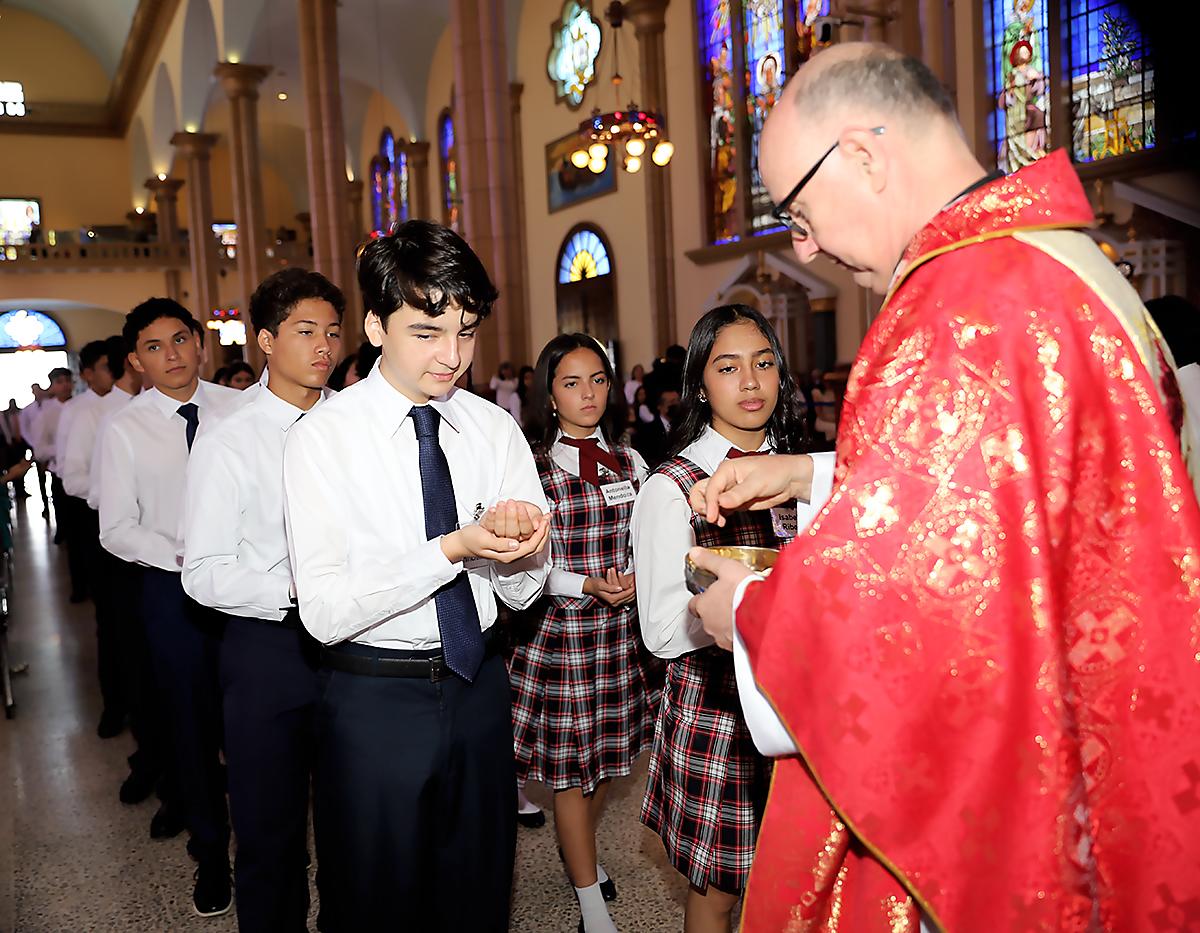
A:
[601,874]
[595,913]
[524,804]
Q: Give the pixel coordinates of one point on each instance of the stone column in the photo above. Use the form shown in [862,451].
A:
[196,149]
[354,206]
[933,38]
[520,271]
[166,215]
[325,139]
[418,180]
[649,20]
[240,83]
[483,127]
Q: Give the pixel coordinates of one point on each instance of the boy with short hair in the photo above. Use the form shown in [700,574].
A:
[385,485]
[143,460]
[235,560]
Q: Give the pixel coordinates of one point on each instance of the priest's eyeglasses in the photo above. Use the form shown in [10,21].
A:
[782,211]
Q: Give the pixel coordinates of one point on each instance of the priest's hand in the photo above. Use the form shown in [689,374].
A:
[752,483]
[714,607]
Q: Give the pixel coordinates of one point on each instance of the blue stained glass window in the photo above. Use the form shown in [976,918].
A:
[387,151]
[583,257]
[449,159]
[400,175]
[762,32]
[377,184]
[22,329]
[1018,80]
[1112,81]
[716,60]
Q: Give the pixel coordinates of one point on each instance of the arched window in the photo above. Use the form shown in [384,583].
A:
[389,184]
[1110,106]
[586,292]
[24,329]
[583,256]
[764,40]
[448,159]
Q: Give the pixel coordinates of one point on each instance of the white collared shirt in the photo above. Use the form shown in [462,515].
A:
[77,439]
[109,405]
[564,582]
[46,430]
[364,568]
[27,419]
[235,550]
[661,532]
[143,466]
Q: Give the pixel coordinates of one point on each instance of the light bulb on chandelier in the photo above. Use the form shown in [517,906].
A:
[635,147]
[663,152]
[597,166]
[633,164]
[580,158]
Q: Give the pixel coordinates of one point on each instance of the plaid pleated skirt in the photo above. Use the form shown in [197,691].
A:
[583,694]
[708,784]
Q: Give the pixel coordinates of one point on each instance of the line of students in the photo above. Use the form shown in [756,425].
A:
[319,598]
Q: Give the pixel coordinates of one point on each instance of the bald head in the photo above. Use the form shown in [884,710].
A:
[868,78]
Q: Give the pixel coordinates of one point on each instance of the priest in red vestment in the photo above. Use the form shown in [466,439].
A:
[983,656]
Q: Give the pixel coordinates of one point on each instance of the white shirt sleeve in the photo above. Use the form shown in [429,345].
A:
[564,583]
[75,452]
[339,598]
[519,584]
[121,531]
[661,532]
[212,527]
[770,735]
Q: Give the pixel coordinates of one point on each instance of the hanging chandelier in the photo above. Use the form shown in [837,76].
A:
[636,130]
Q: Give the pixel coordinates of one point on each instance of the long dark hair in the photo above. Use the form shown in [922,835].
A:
[785,429]
[541,422]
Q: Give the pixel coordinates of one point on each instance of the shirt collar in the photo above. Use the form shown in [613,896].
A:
[281,413]
[390,407]
[596,435]
[167,406]
[714,447]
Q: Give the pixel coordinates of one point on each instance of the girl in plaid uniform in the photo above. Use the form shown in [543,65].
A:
[707,784]
[582,702]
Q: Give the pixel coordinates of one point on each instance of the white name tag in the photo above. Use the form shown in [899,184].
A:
[618,493]
[783,522]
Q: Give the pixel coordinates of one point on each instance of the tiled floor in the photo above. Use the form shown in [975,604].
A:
[72,858]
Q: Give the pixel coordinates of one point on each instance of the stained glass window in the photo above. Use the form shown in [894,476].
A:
[1019,80]
[389,185]
[764,41]
[573,52]
[448,154]
[22,329]
[584,256]
[1112,81]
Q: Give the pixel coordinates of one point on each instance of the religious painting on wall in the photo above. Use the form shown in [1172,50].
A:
[574,48]
[567,185]
[1019,80]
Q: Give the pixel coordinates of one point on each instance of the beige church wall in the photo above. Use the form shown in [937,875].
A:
[119,291]
[54,66]
[621,215]
[81,181]
[437,99]
[83,325]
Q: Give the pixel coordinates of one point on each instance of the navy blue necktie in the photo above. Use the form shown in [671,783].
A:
[458,619]
[191,414]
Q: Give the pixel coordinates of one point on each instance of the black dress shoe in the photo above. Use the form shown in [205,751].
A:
[532,820]
[166,823]
[213,894]
[136,788]
[608,890]
[111,724]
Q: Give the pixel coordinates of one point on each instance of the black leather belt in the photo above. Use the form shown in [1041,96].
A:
[382,662]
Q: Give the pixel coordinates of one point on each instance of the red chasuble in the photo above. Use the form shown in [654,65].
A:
[987,646]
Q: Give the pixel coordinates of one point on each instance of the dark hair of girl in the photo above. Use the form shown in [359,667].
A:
[785,429]
[541,421]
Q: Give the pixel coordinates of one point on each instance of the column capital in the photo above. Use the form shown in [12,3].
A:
[239,79]
[647,16]
[194,144]
[164,187]
[418,152]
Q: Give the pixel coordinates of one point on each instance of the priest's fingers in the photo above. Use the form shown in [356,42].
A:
[721,567]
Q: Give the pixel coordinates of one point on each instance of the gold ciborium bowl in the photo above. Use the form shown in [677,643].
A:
[758,559]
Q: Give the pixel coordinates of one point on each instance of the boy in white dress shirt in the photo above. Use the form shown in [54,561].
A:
[385,485]
[143,460]
[235,559]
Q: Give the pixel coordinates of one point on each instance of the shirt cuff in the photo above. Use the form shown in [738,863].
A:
[770,736]
[565,583]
